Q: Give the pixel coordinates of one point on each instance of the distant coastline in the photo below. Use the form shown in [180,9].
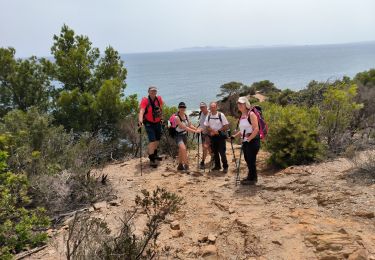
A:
[218,48]
[260,46]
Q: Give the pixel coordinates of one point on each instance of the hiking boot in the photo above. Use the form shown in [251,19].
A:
[201,165]
[248,182]
[225,170]
[186,167]
[255,179]
[153,164]
[180,167]
[152,161]
[156,156]
[216,168]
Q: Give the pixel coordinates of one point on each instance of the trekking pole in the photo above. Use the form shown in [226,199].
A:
[140,147]
[198,152]
[231,144]
[239,160]
[234,154]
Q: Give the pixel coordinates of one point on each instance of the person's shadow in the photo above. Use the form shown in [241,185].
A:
[246,190]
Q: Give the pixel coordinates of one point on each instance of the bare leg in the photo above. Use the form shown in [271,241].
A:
[182,154]
[152,147]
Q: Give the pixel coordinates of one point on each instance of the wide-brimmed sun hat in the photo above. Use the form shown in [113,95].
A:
[244,100]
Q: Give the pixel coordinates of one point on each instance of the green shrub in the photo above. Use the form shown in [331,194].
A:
[293,134]
[20,228]
[34,145]
[337,111]
[63,169]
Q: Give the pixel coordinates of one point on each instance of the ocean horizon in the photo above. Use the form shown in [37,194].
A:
[193,75]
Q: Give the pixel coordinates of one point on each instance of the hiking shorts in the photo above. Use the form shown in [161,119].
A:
[181,139]
[153,131]
[205,139]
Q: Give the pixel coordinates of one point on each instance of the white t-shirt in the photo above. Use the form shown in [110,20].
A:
[215,122]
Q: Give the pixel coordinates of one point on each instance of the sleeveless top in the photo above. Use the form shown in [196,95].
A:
[244,125]
[179,130]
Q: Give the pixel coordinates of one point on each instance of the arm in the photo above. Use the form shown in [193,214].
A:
[140,116]
[193,126]
[255,125]
[237,134]
[224,128]
[187,128]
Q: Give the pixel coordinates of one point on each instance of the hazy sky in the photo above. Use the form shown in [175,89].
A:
[162,25]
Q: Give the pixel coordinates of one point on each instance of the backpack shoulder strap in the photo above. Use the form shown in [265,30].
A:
[157,99]
[179,117]
[221,120]
[148,104]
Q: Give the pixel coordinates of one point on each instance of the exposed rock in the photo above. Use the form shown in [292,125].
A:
[231,211]
[277,242]
[202,239]
[175,225]
[51,232]
[333,245]
[211,238]
[365,214]
[359,255]
[115,203]
[100,205]
[177,233]
[208,250]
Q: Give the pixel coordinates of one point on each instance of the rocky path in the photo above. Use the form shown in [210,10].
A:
[319,211]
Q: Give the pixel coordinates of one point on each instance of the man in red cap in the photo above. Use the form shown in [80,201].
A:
[150,115]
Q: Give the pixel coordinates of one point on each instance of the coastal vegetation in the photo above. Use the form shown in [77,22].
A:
[63,119]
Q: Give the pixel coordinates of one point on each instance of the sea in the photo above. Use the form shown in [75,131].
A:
[196,75]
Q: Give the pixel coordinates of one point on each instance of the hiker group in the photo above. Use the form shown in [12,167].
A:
[212,131]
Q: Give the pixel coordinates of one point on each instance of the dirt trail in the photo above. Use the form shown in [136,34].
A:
[308,212]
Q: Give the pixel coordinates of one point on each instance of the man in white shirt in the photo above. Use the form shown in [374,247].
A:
[217,126]
[206,142]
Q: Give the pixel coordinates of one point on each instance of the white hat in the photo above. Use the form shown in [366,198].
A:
[244,100]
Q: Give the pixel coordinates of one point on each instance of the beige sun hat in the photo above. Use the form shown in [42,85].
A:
[244,100]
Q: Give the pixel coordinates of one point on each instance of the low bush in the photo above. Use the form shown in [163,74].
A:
[20,227]
[90,238]
[293,134]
